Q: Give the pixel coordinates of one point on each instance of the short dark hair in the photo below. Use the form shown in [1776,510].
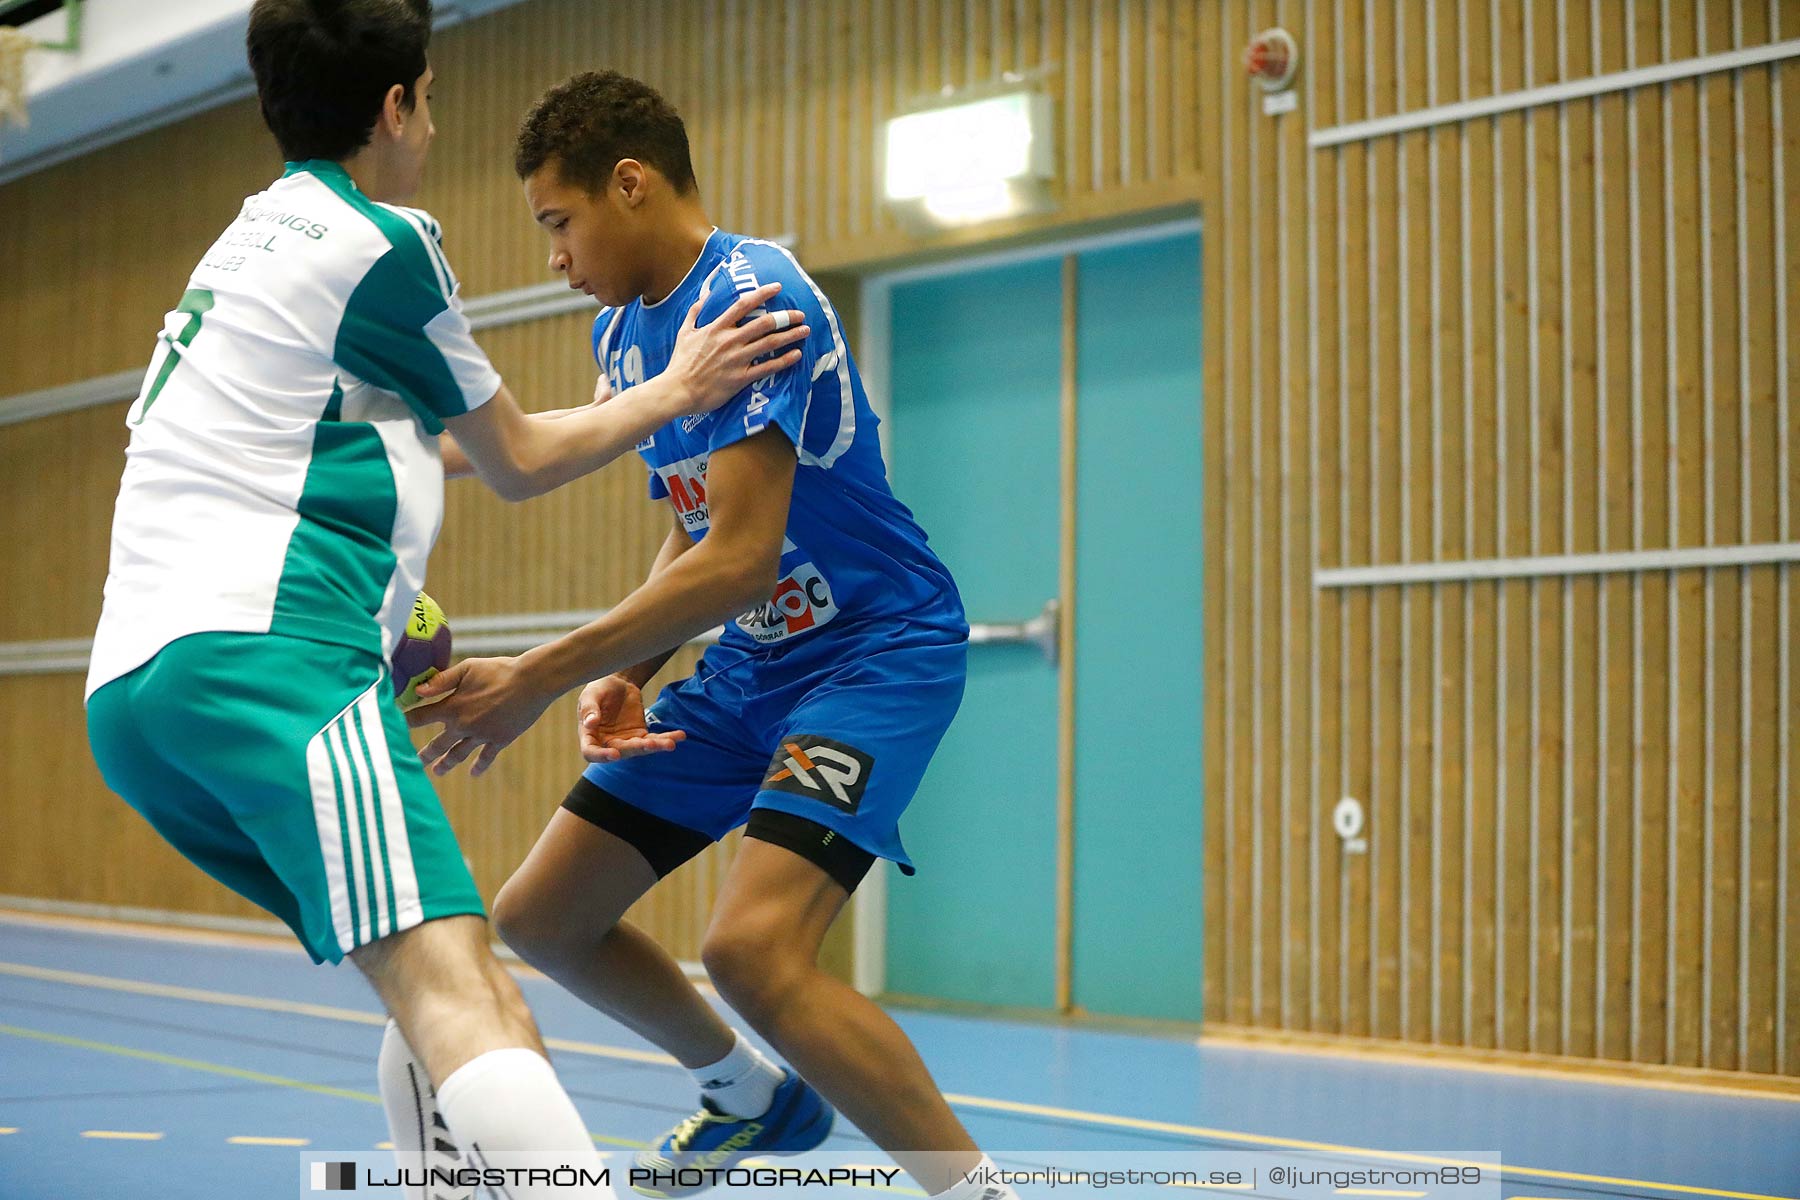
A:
[587,124]
[323,68]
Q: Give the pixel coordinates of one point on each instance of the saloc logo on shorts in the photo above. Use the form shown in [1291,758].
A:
[820,769]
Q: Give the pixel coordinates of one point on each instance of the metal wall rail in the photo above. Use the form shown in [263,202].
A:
[70,397]
[1552,566]
[516,306]
[1555,93]
[484,312]
[511,633]
[52,657]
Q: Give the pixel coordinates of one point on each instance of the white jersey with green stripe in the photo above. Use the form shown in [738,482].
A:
[283,474]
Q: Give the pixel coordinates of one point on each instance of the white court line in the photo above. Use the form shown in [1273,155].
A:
[1106,1120]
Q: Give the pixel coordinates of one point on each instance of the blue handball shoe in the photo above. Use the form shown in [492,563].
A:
[684,1161]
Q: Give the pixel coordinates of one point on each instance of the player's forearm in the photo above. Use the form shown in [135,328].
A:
[698,591]
[640,674]
[673,547]
[582,440]
[456,463]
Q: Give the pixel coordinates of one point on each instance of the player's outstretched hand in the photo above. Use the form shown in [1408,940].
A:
[715,362]
[610,723]
[486,704]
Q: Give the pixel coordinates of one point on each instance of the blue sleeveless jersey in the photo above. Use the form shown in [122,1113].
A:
[856,572]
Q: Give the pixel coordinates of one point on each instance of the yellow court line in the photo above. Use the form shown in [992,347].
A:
[621,1053]
[1107,1120]
[1506,1170]
[169,991]
[277,940]
[118,1135]
[1588,1072]
[192,1064]
[1225,1037]
[268,1141]
[328,1012]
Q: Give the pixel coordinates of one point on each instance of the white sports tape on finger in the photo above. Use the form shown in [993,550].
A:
[781,319]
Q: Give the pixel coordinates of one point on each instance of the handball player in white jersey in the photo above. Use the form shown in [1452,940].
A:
[282,490]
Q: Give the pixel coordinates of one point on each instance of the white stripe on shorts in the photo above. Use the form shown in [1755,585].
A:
[331,837]
[359,878]
[382,925]
[407,909]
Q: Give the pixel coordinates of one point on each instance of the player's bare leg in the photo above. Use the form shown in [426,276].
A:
[449,994]
[561,913]
[762,952]
[464,1022]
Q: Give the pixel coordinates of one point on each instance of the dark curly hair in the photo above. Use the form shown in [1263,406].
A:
[588,123]
[323,68]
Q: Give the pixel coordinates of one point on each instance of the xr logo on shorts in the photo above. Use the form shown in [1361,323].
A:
[820,769]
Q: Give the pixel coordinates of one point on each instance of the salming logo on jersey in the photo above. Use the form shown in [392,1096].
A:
[802,601]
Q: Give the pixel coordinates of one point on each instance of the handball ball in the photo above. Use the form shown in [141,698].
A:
[424,650]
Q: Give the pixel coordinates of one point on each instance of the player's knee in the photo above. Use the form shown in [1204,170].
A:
[451,998]
[448,1025]
[527,922]
[730,962]
[752,970]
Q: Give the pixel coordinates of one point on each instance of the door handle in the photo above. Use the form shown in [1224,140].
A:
[1043,631]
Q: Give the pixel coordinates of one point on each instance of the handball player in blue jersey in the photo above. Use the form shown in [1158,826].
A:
[811,721]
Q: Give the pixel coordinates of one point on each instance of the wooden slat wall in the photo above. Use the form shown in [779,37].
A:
[799,157]
[1563,330]
[784,101]
[94,251]
[584,546]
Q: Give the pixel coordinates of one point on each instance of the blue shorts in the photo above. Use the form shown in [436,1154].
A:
[843,744]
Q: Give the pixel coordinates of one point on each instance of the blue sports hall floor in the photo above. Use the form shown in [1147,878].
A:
[139,1062]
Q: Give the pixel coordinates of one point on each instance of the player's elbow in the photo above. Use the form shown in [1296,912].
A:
[506,470]
[513,485]
[525,487]
[754,586]
[746,574]
[529,460]
[522,475]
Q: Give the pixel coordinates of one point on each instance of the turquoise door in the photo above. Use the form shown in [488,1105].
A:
[1138,794]
[975,384]
[975,390]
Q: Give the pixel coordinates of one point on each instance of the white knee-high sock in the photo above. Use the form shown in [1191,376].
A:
[509,1102]
[415,1125]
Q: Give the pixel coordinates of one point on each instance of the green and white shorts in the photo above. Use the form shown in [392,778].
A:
[282,768]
